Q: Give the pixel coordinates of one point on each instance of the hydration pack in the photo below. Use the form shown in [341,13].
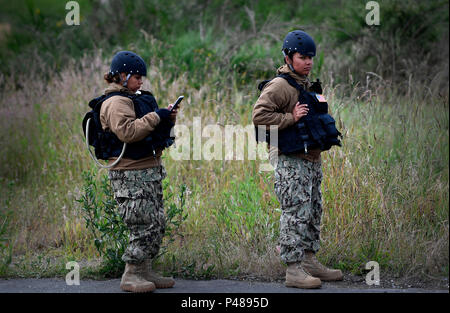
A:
[107,145]
[316,130]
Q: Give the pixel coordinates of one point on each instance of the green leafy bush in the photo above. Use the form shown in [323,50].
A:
[103,220]
[110,232]
[5,247]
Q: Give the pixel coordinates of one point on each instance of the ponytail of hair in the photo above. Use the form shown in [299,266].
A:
[112,78]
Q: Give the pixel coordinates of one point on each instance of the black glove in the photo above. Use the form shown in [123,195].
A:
[163,113]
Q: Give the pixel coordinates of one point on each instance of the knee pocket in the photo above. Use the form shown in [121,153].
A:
[292,192]
[296,215]
[139,211]
[293,185]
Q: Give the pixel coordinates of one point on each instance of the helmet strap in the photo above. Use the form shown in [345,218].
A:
[289,64]
[292,68]
[125,83]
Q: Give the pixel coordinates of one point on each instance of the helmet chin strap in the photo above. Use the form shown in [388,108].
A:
[292,68]
[288,64]
[125,83]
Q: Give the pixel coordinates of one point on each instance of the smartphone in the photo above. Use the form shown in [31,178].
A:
[175,106]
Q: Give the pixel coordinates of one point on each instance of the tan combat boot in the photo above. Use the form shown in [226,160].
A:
[133,279]
[297,277]
[313,266]
[159,281]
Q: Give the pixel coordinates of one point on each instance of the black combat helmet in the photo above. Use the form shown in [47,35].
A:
[299,41]
[128,62]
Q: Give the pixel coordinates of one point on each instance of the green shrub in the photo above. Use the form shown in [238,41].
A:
[109,231]
[5,245]
[102,219]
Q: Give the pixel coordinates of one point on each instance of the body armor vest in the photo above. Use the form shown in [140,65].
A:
[106,143]
[316,130]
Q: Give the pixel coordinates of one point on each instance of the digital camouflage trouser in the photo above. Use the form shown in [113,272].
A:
[297,186]
[140,197]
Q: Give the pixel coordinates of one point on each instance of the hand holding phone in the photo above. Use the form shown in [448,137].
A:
[175,105]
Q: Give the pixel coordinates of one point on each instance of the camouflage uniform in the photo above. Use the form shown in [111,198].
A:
[140,197]
[297,186]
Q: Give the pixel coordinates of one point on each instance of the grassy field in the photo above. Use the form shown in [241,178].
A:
[385,191]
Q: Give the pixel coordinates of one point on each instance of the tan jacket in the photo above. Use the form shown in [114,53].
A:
[276,103]
[117,115]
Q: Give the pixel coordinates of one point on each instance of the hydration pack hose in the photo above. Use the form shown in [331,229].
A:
[94,158]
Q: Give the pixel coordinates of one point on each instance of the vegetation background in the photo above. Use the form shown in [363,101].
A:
[386,191]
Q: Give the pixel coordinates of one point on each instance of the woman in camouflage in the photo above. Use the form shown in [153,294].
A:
[297,176]
[136,182]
